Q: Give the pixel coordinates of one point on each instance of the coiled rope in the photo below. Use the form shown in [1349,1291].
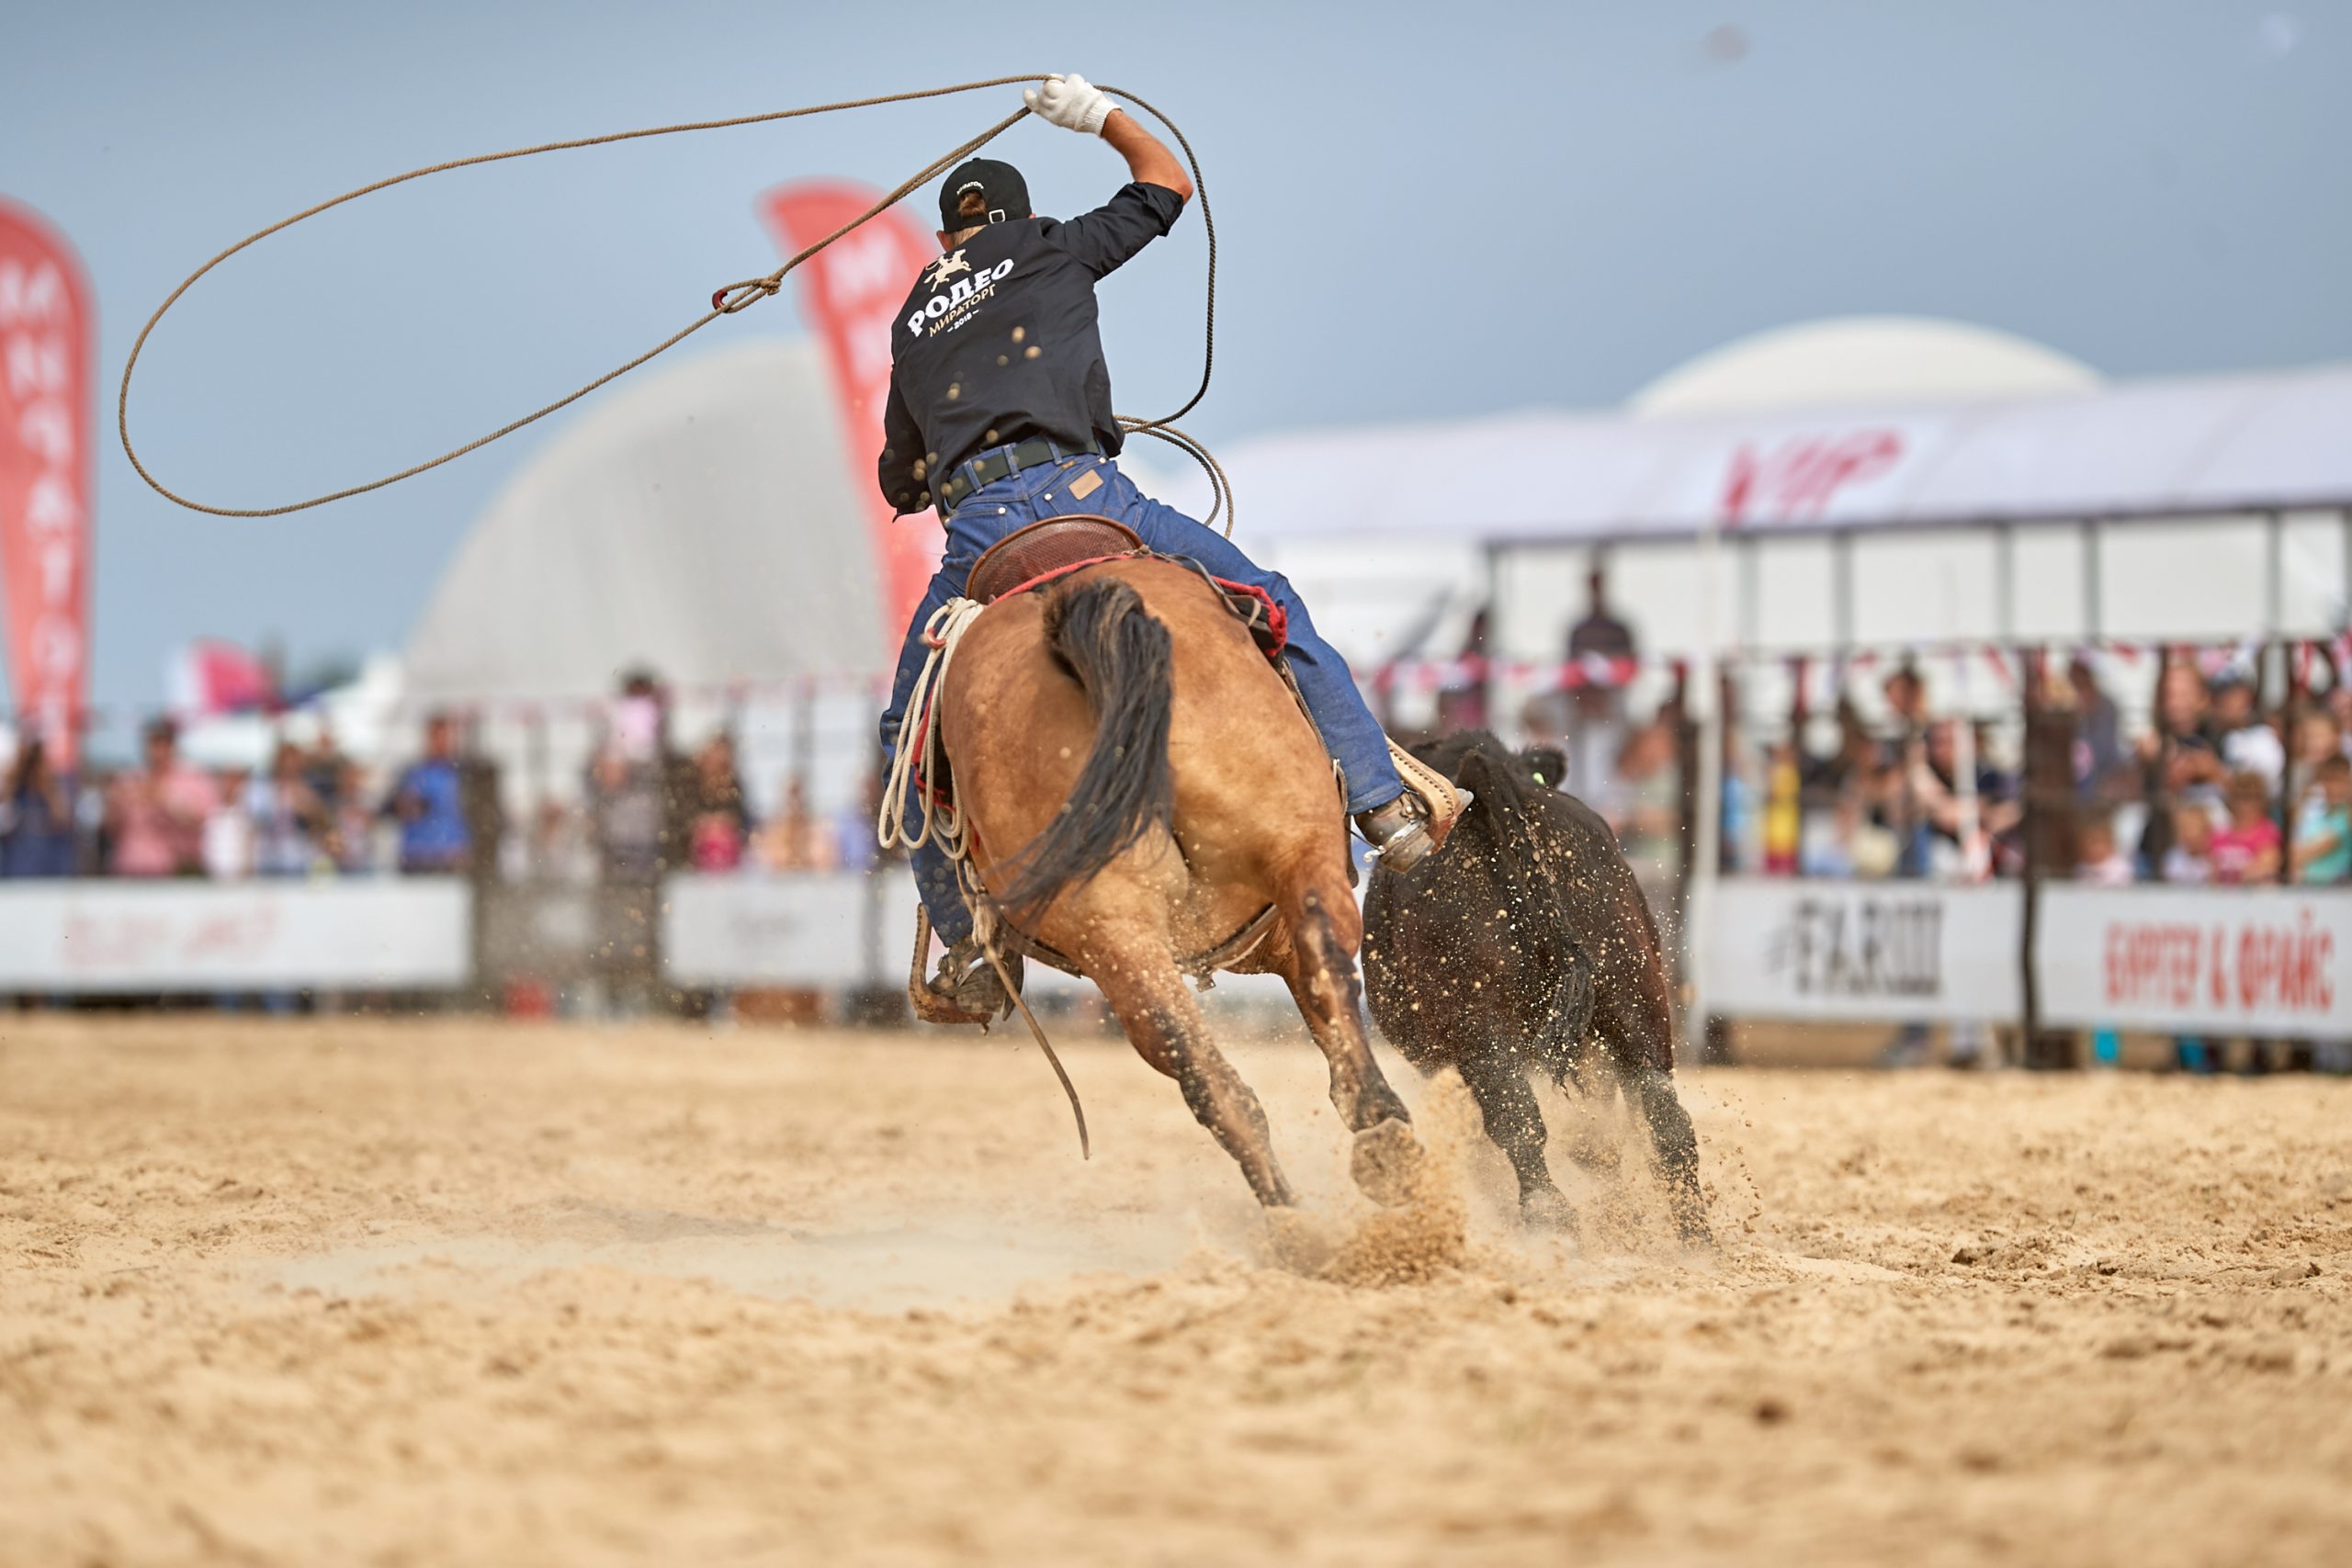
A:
[919,733]
[728,301]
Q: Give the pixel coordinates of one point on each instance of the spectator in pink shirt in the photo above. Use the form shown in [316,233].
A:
[2247,850]
[155,814]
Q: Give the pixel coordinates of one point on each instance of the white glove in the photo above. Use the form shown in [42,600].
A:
[1071,102]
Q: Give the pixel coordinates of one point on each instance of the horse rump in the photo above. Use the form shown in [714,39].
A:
[1121,655]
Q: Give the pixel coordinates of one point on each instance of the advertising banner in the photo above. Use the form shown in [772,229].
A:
[1892,952]
[852,290]
[47,334]
[194,936]
[2237,962]
[2249,962]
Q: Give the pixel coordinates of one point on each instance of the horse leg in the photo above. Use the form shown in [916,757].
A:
[1676,1146]
[1164,1023]
[1326,930]
[1498,1081]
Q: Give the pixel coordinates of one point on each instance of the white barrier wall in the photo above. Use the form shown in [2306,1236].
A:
[414,933]
[823,930]
[2256,962]
[2247,961]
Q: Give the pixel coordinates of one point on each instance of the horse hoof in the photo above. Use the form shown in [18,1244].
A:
[1386,1163]
[1550,1212]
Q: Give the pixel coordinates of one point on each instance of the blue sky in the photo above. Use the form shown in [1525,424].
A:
[1424,212]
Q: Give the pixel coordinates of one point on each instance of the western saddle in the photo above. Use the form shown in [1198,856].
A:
[1042,549]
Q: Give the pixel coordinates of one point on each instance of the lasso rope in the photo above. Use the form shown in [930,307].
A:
[944,826]
[727,301]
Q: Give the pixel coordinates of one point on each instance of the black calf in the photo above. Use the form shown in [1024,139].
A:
[1522,945]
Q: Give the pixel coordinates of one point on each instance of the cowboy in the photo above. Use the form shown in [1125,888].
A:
[999,415]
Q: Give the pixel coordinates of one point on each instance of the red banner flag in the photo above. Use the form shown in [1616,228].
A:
[47,332]
[852,290]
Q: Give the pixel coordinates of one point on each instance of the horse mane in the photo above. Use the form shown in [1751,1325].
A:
[1122,656]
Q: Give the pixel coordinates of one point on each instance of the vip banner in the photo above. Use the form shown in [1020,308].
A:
[852,290]
[47,330]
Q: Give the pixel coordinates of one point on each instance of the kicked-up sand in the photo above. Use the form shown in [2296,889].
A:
[327,1292]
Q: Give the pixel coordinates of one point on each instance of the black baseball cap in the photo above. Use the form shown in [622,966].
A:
[1000,184]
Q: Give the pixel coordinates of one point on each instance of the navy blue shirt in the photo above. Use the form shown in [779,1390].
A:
[997,343]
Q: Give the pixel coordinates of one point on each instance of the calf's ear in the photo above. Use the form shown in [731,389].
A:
[1547,765]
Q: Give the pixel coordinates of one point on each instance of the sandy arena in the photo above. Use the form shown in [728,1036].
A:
[327,1292]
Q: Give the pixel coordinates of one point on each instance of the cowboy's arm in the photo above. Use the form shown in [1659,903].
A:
[900,468]
[1148,160]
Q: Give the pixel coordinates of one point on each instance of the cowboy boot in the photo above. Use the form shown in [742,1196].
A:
[1409,827]
[1397,832]
[967,982]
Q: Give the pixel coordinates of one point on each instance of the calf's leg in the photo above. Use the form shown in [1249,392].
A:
[1675,1145]
[1498,1081]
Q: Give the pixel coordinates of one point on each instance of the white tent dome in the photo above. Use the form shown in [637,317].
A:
[699,519]
[1861,362]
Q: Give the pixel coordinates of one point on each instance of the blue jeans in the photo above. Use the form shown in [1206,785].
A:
[991,512]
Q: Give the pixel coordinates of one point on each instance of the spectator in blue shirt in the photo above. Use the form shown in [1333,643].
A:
[429,806]
[35,819]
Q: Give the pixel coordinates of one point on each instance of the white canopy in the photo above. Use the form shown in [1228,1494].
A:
[2186,446]
[699,518]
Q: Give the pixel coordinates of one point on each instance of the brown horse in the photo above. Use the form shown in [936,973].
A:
[1143,797]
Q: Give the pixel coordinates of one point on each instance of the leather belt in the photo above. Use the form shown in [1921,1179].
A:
[1002,462]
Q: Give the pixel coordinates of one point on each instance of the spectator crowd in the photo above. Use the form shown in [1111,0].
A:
[2203,785]
[313,812]
[642,809]
[2214,789]
[2211,789]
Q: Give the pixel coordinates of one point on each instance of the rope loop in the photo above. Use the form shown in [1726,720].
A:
[730,300]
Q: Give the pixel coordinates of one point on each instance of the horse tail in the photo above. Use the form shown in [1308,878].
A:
[1122,656]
